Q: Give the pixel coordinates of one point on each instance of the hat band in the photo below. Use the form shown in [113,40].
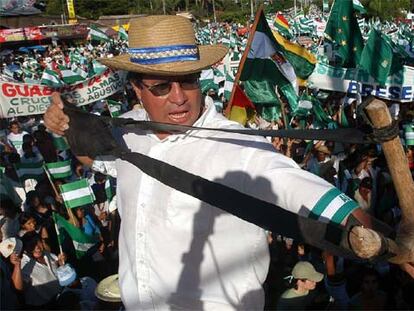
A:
[164,54]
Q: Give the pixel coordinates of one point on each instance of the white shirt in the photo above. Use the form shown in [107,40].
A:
[16,140]
[178,252]
[41,283]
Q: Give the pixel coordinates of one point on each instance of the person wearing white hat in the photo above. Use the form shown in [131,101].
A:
[303,280]
[176,251]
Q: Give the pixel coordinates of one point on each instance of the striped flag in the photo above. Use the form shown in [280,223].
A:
[98,35]
[60,142]
[240,106]
[282,26]
[61,169]
[77,193]
[122,34]
[98,68]
[114,108]
[228,86]
[70,77]
[266,68]
[358,6]
[207,81]
[30,170]
[109,190]
[51,78]
[81,241]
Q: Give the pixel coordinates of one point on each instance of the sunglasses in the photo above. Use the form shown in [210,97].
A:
[164,88]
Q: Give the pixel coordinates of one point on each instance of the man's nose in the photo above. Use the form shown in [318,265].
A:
[177,94]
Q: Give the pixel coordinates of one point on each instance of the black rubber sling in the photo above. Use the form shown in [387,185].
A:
[98,140]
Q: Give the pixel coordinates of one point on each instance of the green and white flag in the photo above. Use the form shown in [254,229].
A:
[60,142]
[378,57]
[266,68]
[51,78]
[77,193]
[207,81]
[81,241]
[98,35]
[98,68]
[114,108]
[70,77]
[30,170]
[358,6]
[122,34]
[228,86]
[60,169]
[109,190]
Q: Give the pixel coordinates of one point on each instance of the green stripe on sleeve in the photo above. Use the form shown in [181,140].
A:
[344,211]
[323,202]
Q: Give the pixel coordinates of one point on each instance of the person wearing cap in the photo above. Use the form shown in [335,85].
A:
[303,280]
[35,273]
[176,251]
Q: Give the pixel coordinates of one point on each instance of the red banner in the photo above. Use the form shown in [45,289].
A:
[43,32]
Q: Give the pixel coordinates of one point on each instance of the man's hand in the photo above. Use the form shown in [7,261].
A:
[55,119]
[15,259]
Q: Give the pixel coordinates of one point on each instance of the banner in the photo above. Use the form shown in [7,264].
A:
[19,99]
[399,87]
[43,32]
[71,9]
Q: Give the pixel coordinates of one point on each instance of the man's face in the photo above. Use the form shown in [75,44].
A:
[181,103]
[14,128]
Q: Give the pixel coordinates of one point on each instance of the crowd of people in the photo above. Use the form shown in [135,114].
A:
[40,266]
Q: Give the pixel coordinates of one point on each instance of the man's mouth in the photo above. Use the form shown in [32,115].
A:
[179,117]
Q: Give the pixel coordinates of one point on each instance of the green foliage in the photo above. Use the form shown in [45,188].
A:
[226,10]
[386,10]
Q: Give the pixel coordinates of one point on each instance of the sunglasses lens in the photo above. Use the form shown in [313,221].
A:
[161,89]
[189,84]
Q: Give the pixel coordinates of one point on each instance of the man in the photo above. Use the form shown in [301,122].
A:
[177,252]
[15,137]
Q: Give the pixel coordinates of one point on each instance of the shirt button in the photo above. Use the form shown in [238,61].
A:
[140,234]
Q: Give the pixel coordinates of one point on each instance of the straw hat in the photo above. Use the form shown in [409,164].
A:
[164,45]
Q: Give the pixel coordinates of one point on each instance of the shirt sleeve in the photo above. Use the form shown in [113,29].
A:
[279,180]
[105,165]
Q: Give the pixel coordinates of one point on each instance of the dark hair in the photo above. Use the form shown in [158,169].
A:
[134,77]
[25,217]
[30,240]
[99,177]
[14,123]
[27,138]
[366,182]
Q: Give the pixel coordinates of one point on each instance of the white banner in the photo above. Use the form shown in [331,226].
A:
[20,99]
[399,87]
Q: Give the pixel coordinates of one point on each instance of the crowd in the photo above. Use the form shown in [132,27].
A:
[43,267]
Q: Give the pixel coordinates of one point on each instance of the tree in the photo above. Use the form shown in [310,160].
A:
[386,10]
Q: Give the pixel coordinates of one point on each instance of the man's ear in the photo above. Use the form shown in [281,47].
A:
[137,89]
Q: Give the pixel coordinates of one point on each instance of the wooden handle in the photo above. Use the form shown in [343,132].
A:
[367,243]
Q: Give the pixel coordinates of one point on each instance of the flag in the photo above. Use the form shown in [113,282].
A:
[228,86]
[70,77]
[77,193]
[98,35]
[325,6]
[30,170]
[266,68]
[358,6]
[60,169]
[122,34]
[109,190]
[81,241]
[60,142]
[378,57]
[343,29]
[207,81]
[98,68]
[114,108]
[51,78]
[239,106]
[7,191]
[282,25]
[302,61]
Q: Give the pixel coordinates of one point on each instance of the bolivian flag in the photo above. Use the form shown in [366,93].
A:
[282,25]
[241,107]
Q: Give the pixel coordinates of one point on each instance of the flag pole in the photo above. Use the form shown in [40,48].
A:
[57,232]
[243,59]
